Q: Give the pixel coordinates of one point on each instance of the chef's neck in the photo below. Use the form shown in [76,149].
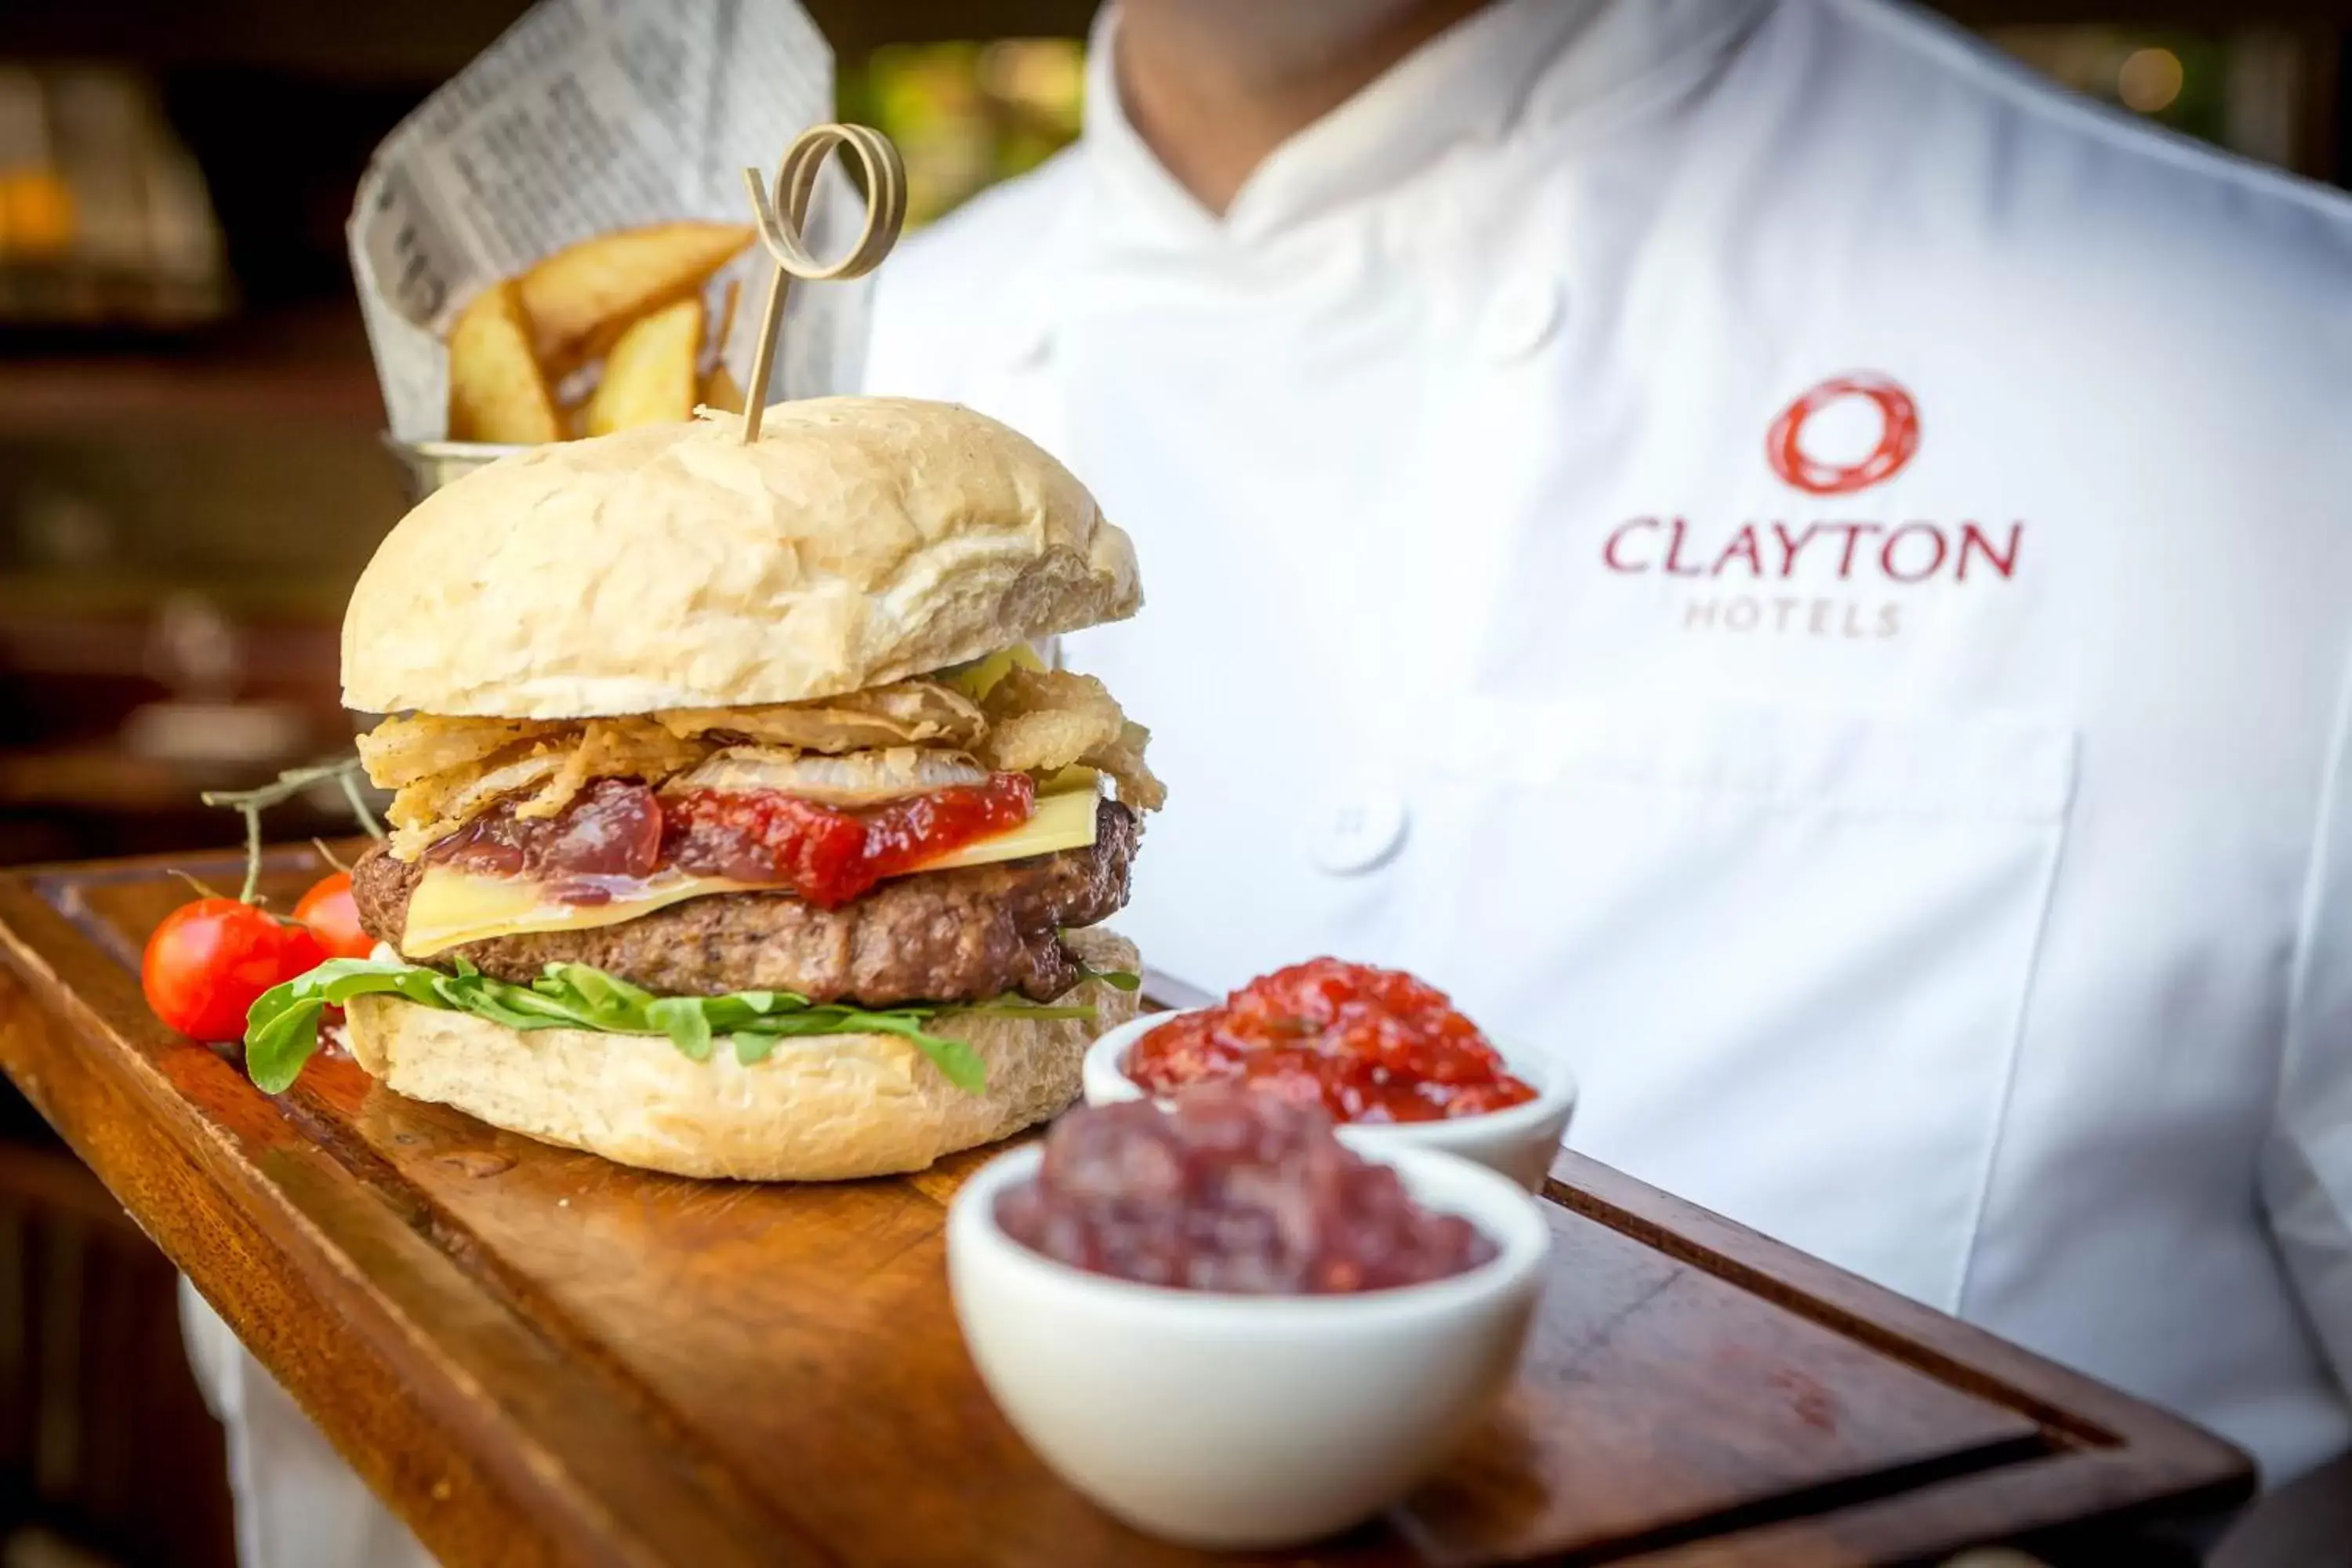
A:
[1215,86]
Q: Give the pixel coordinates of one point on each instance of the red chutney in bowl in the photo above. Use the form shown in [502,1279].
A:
[1233,1192]
[1367,1045]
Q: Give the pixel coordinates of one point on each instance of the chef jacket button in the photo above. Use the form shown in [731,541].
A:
[1356,833]
[1521,319]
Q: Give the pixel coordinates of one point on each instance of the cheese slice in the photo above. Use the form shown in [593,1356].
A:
[451,907]
[1063,820]
[976,678]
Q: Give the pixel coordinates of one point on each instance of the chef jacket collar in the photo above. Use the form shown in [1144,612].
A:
[1516,62]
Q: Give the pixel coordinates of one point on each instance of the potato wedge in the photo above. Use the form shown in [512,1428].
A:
[496,390]
[649,375]
[719,387]
[580,299]
[719,391]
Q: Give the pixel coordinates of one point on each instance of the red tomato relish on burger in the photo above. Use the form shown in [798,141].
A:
[1230,1191]
[616,832]
[1365,1044]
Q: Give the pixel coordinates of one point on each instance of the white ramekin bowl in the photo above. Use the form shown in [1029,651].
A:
[1231,1421]
[1519,1141]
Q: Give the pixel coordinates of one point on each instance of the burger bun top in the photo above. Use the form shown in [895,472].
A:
[859,540]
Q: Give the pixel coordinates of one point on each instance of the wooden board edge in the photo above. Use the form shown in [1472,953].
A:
[2082,1495]
[186,1223]
[555,1494]
[2083,1418]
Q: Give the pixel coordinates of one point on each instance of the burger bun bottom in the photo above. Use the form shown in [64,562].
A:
[821,1108]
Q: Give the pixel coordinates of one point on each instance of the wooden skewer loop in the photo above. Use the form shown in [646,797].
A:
[782,214]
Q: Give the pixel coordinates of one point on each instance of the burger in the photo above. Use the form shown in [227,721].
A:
[743,824]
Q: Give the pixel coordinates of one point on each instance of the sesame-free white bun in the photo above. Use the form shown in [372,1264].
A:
[821,1109]
[860,540]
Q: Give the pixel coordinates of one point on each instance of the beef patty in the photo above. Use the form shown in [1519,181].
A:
[936,936]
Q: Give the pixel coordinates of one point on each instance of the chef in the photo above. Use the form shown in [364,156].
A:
[1768,552]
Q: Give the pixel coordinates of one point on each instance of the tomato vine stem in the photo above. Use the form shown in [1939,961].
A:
[251,803]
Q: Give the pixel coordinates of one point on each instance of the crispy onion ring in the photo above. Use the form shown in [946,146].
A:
[848,783]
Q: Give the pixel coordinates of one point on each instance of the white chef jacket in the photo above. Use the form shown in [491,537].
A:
[1774,554]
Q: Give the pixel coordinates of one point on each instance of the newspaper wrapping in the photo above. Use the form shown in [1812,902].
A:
[591,115]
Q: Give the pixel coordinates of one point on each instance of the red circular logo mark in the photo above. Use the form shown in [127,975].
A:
[1898,437]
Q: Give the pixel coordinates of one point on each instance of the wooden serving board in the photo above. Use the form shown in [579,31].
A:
[539,1357]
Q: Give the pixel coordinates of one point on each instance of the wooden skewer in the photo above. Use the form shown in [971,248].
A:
[780,216]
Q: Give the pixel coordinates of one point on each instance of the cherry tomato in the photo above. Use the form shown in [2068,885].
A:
[328,910]
[208,961]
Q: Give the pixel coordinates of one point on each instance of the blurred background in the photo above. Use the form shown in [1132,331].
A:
[191,477]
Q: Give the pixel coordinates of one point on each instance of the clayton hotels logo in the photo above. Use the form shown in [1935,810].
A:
[1898,437]
[1830,576]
